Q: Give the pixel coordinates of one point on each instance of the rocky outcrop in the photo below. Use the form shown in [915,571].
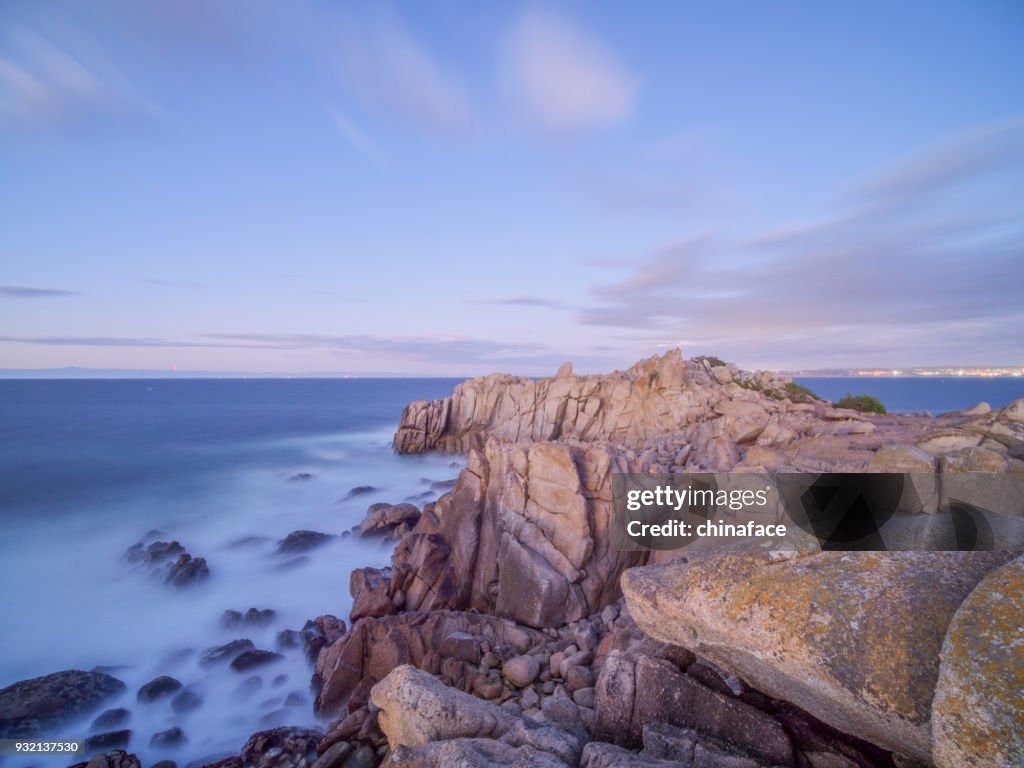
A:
[978,711]
[169,562]
[689,414]
[504,594]
[32,707]
[852,636]
[666,746]
[417,710]
[117,758]
[346,670]
[389,519]
[638,690]
[280,747]
[654,397]
[525,534]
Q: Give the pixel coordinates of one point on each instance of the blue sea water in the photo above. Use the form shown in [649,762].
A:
[87,467]
[909,394]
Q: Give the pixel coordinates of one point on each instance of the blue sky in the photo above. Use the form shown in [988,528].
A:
[455,188]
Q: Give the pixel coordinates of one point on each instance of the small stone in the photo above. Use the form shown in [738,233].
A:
[521,670]
[334,757]
[364,757]
[487,688]
[578,677]
[585,697]
[530,699]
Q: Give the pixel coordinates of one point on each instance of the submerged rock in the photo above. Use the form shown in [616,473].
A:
[256,658]
[302,541]
[222,654]
[111,718]
[157,688]
[360,490]
[169,562]
[30,707]
[186,701]
[172,737]
[109,740]
[187,570]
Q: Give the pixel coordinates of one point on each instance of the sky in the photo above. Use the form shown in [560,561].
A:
[454,188]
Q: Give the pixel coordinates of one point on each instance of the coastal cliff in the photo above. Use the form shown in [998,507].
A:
[509,630]
[715,661]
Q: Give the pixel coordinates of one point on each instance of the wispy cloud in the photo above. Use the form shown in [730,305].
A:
[359,141]
[563,78]
[456,349]
[112,341]
[47,83]
[450,349]
[524,300]
[898,273]
[387,68]
[164,283]
[21,292]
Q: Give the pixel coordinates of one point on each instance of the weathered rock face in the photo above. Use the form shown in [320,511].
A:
[978,711]
[347,670]
[30,707]
[654,397]
[416,710]
[665,746]
[853,637]
[525,534]
[634,691]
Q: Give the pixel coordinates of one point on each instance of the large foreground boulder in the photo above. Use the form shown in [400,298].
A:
[978,712]
[417,710]
[853,637]
[31,707]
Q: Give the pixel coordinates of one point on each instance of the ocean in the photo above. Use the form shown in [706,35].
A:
[910,393]
[87,468]
[228,468]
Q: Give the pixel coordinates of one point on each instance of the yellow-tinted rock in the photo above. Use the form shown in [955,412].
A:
[853,637]
[978,713]
[973,460]
[902,458]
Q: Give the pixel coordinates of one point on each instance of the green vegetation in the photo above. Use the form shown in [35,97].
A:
[714,362]
[791,391]
[862,403]
[798,393]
